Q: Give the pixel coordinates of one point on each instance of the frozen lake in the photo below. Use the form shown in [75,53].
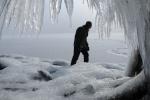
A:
[60,46]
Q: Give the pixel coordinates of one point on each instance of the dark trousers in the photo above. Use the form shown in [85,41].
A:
[77,53]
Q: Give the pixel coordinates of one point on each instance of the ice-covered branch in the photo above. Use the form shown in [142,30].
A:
[25,14]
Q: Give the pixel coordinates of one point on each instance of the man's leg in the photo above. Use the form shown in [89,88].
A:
[86,55]
[75,56]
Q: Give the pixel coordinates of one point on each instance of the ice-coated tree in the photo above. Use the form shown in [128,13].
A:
[132,15]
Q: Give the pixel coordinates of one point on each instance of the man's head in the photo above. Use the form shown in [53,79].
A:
[88,24]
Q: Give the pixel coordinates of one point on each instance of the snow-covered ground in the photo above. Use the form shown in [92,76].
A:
[31,78]
[44,72]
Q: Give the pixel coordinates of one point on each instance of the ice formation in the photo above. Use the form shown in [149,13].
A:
[69,7]
[25,14]
[55,6]
[28,14]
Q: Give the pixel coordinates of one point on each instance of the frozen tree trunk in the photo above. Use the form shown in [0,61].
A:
[135,64]
[134,89]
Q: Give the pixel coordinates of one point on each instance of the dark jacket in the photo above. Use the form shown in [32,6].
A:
[80,40]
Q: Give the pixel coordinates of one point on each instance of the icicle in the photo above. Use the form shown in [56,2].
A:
[3,4]
[4,8]
[104,16]
[69,7]
[55,7]
[10,12]
[36,13]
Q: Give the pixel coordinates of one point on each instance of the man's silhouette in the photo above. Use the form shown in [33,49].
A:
[80,43]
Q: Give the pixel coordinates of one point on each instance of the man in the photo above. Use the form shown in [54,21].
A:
[80,43]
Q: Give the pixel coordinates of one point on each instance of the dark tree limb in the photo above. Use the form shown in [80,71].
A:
[135,64]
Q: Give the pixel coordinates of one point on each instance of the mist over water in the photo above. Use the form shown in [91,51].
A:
[60,46]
